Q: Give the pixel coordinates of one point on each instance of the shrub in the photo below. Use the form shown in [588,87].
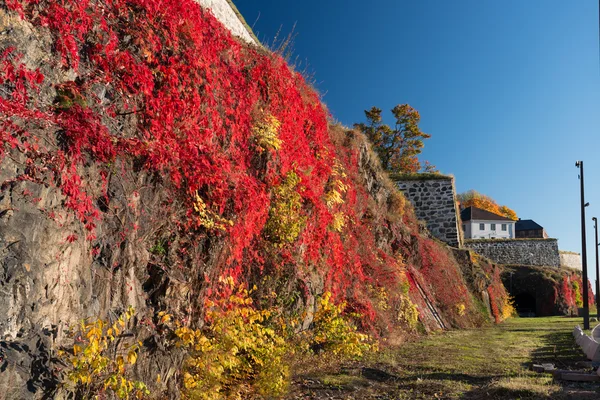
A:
[508,308]
[335,334]
[100,362]
[266,133]
[334,196]
[407,312]
[577,294]
[208,218]
[285,219]
[235,354]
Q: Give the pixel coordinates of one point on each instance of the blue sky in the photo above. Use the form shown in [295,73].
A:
[509,90]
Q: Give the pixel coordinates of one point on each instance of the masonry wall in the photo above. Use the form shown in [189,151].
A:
[570,260]
[434,202]
[228,16]
[536,252]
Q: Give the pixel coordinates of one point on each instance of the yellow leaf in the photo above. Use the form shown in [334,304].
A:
[132,357]
[120,364]
[165,318]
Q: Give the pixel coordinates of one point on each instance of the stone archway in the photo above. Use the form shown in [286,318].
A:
[525,303]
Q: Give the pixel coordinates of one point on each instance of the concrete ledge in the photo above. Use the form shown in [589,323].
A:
[590,347]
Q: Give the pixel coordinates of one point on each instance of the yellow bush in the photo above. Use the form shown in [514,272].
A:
[285,219]
[333,333]
[339,221]
[334,195]
[208,218]
[577,294]
[508,308]
[235,354]
[98,363]
[266,134]
[407,312]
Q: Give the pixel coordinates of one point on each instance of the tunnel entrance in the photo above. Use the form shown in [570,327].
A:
[525,305]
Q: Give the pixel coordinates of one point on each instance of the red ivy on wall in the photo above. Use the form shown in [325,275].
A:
[194,94]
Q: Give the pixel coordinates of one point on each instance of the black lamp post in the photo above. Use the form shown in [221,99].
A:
[586,309]
[597,269]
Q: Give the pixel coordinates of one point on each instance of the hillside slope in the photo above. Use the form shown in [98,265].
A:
[147,157]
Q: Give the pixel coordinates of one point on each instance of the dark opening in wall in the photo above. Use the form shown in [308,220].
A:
[525,304]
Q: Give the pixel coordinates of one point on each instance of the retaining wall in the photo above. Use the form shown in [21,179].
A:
[536,252]
[570,260]
[434,201]
[228,16]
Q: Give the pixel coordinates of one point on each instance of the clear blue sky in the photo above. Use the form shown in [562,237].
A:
[509,90]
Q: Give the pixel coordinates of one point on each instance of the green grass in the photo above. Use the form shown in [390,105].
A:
[488,363]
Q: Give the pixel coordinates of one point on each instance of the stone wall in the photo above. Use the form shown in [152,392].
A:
[434,201]
[536,252]
[224,11]
[570,260]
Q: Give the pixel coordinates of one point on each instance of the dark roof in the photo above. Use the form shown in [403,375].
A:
[527,225]
[470,213]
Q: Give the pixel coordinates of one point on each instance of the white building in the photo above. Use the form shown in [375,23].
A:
[482,224]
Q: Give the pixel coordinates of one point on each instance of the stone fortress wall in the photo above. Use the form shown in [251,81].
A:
[434,201]
[536,252]
[228,15]
[570,259]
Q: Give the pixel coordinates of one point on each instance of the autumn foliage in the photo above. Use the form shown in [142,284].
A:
[238,137]
[476,199]
[261,188]
[398,147]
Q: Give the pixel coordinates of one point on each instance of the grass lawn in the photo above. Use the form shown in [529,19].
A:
[488,363]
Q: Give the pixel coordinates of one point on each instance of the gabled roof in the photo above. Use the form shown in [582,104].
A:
[474,213]
[527,225]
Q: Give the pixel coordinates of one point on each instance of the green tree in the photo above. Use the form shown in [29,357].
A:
[397,147]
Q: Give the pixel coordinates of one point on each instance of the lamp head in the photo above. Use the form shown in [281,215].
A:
[577,163]
[594,219]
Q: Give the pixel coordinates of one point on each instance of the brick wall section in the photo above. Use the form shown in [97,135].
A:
[434,201]
[570,260]
[537,252]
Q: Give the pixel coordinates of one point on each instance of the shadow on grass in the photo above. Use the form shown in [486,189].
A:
[560,349]
[502,393]
[443,376]
[434,383]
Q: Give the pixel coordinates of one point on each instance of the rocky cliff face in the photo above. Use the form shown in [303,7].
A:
[144,157]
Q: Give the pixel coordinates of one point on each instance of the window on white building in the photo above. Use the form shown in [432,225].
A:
[481,227]
[503,227]
[493,227]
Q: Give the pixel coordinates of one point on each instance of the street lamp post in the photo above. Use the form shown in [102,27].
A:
[597,269]
[586,309]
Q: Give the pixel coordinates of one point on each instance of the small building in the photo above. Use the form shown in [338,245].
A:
[528,228]
[482,224]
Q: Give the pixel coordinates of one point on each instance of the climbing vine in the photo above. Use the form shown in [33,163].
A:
[240,141]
